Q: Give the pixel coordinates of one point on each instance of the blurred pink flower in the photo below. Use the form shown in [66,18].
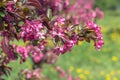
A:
[10,5]
[21,50]
[28,74]
[36,72]
[99,13]
[70,78]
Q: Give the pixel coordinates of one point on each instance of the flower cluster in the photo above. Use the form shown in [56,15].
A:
[55,5]
[61,29]
[22,50]
[36,53]
[99,38]
[77,12]
[64,74]
[62,40]
[46,22]
[99,13]
[32,74]
[32,30]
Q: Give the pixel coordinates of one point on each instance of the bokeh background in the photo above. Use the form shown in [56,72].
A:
[84,61]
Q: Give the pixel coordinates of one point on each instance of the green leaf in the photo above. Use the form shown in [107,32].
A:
[26,11]
[0,18]
[2,4]
[2,14]
[5,24]
[49,13]
[20,23]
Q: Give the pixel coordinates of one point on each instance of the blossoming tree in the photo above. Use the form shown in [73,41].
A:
[47,27]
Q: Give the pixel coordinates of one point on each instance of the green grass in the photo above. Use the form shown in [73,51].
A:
[101,65]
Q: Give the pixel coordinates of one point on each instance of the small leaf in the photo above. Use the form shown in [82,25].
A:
[2,14]
[49,13]
[19,3]
[80,27]
[56,39]
[20,23]
[5,24]
[2,4]
[0,18]
[25,11]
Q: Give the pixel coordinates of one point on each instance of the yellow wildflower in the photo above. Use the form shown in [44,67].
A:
[82,77]
[79,70]
[115,78]
[112,72]
[102,72]
[114,58]
[108,77]
[86,72]
[80,42]
[118,71]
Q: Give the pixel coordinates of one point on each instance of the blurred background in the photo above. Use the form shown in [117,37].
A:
[84,61]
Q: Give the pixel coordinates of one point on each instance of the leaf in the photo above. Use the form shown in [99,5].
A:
[20,23]
[25,11]
[1,24]
[57,39]
[5,24]
[7,49]
[5,45]
[80,27]
[49,13]
[2,4]
[0,18]
[5,70]
[2,14]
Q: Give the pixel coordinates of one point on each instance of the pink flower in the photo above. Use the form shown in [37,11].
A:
[59,34]
[36,53]
[99,13]
[22,50]
[67,46]
[62,73]
[36,72]
[70,78]
[32,30]
[67,2]
[29,75]
[98,43]
[10,6]
[37,56]
[58,29]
